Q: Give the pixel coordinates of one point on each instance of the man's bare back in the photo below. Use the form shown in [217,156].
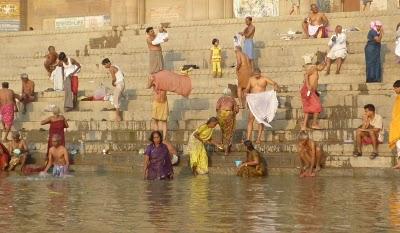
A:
[51,58]
[312,78]
[28,87]
[7,96]
[59,155]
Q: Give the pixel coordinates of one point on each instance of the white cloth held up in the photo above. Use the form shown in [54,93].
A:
[263,106]
[160,38]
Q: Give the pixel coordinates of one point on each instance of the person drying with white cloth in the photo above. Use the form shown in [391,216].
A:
[263,104]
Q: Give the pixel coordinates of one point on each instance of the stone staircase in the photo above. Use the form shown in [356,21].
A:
[343,96]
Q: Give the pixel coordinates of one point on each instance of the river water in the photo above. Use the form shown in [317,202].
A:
[115,202]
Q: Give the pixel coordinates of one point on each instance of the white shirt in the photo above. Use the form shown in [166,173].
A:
[119,76]
[377,123]
[340,42]
[68,69]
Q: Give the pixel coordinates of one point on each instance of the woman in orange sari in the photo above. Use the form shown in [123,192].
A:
[227,109]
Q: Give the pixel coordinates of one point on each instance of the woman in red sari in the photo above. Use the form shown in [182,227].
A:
[57,125]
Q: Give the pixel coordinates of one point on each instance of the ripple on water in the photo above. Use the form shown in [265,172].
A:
[125,203]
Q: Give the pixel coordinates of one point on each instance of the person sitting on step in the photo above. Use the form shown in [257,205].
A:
[255,164]
[369,132]
[19,151]
[338,50]
[314,26]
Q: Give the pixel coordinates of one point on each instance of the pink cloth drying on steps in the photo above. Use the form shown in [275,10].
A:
[169,81]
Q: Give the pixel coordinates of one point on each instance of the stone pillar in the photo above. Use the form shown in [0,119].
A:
[132,11]
[216,9]
[23,15]
[124,12]
[141,12]
[196,9]
[118,13]
[188,10]
[228,6]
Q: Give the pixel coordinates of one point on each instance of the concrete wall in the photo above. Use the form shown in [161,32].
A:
[41,13]
[164,10]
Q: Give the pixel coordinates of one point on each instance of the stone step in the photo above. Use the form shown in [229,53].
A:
[333,95]
[97,146]
[284,57]
[199,112]
[340,136]
[274,160]
[334,109]
[270,25]
[100,75]
[177,52]
[218,160]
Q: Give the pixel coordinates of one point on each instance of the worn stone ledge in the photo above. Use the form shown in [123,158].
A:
[185,171]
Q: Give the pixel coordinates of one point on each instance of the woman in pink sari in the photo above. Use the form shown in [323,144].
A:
[57,125]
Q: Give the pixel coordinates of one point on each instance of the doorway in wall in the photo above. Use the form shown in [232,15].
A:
[351,5]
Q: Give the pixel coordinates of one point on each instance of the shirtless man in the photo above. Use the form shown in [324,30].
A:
[160,110]
[244,71]
[7,105]
[310,96]
[58,156]
[314,25]
[28,91]
[248,44]
[18,150]
[156,60]
[257,84]
[310,155]
[51,60]
[117,77]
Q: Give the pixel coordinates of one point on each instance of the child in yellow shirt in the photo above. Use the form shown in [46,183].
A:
[216,58]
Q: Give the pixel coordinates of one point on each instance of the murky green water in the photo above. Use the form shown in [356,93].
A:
[111,202]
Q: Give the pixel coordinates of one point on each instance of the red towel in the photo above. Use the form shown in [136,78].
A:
[312,103]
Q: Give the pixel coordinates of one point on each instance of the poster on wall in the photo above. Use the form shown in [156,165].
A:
[324,5]
[9,16]
[256,8]
[82,22]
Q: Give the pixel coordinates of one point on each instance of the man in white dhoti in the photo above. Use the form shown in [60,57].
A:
[118,81]
[338,49]
[57,78]
[262,103]
[314,26]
